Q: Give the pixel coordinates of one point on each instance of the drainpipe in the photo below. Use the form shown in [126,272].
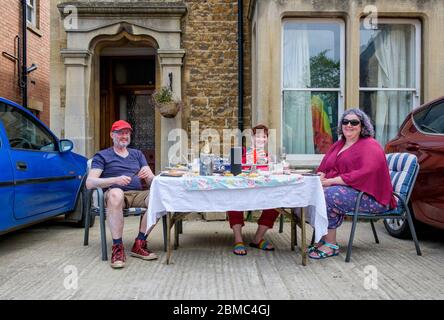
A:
[24,82]
[240,42]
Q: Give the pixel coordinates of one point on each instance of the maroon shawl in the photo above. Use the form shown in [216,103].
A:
[363,167]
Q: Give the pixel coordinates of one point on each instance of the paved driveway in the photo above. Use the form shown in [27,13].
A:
[40,263]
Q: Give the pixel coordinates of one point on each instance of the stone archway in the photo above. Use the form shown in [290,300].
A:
[104,96]
[156,25]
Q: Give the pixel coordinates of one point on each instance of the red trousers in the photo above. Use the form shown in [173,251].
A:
[268,217]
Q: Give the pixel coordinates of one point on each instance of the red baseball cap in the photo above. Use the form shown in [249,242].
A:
[119,125]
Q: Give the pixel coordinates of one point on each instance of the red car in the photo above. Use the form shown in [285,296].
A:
[422,134]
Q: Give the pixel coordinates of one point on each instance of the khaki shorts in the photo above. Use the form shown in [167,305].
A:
[134,199]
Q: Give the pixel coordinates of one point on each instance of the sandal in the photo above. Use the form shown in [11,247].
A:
[322,254]
[263,245]
[239,246]
[313,247]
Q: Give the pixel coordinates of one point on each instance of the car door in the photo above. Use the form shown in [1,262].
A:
[45,180]
[428,144]
[6,185]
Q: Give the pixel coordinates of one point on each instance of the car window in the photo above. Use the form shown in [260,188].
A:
[431,119]
[23,131]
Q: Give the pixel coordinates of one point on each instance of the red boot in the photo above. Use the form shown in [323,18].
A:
[141,251]
[118,257]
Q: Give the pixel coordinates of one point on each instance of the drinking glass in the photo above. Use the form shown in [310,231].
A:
[283,154]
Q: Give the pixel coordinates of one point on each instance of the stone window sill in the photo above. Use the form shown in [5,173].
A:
[34,30]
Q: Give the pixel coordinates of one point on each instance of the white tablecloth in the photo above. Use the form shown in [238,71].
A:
[168,194]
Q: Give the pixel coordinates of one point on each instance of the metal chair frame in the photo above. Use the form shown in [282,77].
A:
[101,212]
[404,214]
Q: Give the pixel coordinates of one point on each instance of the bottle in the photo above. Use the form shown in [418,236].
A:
[236,160]
[195,166]
[285,163]
[206,165]
[286,167]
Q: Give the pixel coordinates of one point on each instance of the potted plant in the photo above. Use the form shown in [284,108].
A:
[163,100]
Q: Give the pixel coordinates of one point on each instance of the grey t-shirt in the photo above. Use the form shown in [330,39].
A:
[114,165]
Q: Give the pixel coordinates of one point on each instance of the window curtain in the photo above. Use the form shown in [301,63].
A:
[391,106]
[298,124]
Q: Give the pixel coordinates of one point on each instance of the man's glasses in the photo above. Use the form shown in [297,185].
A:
[353,122]
[122,132]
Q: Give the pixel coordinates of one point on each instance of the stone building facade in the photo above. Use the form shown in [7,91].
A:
[38,34]
[305,62]
[313,59]
[194,47]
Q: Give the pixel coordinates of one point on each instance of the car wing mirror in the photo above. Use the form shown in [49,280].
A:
[66,145]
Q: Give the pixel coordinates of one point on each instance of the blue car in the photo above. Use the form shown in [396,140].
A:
[40,177]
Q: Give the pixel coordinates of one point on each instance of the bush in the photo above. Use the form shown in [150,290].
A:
[163,95]
[163,100]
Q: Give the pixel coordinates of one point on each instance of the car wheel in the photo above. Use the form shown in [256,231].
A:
[81,223]
[400,228]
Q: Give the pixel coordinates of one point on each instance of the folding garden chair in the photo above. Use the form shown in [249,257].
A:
[403,168]
[95,206]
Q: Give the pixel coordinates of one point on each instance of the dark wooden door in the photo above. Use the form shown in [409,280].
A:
[140,114]
[127,84]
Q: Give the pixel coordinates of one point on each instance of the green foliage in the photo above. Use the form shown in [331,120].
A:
[163,95]
[325,72]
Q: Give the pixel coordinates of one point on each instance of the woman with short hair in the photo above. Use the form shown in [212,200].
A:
[258,156]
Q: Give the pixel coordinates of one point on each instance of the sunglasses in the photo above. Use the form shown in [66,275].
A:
[353,122]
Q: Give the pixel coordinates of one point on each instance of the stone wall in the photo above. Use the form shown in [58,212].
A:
[210,69]
[210,86]
[268,15]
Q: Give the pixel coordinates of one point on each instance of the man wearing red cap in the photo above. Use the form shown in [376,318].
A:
[121,170]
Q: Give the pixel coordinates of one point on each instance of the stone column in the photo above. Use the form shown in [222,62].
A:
[76,62]
[171,63]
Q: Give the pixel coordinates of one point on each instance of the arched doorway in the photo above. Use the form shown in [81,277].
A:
[128,75]
[156,26]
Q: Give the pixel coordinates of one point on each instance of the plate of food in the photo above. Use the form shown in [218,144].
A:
[172,173]
[179,167]
[301,171]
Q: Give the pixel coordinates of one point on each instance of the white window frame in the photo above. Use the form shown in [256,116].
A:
[416,101]
[33,18]
[313,159]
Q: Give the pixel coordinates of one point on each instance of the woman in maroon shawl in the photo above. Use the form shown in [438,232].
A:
[353,164]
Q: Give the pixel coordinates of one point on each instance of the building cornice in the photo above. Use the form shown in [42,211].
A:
[76,57]
[119,8]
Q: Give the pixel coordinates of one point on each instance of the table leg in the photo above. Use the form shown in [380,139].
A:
[293,230]
[165,231]
[168,238]
[303,236]
[296,221]
[176,233]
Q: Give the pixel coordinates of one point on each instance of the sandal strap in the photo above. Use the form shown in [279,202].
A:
[311,248]
[321,253]
[240,246]
[263,244]
[331,245]
[314,244]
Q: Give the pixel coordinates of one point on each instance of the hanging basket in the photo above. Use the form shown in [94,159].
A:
[169,109]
